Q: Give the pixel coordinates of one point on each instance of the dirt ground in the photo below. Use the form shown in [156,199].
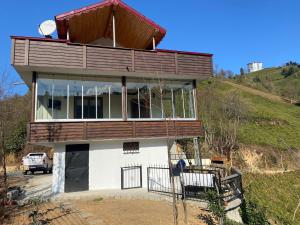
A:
[48,213]
[98,210]
[138,212]
[108,212]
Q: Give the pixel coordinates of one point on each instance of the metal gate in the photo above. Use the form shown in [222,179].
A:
[131,177]
[77,168]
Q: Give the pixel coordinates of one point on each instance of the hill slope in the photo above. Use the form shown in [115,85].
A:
[282,81]
[268,123]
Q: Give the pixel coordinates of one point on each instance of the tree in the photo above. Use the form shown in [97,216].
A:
[221,116]
[242,72]
[14,113]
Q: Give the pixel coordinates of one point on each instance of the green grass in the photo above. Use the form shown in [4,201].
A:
[270,80]
[279,194]
[267,123]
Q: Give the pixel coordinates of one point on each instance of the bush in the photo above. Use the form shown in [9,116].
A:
[231,222]
[256,79]
[290,71]
[253,214]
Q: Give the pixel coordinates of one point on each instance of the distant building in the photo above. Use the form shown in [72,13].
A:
[254,66]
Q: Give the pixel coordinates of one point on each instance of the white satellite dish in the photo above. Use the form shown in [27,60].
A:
[47,28]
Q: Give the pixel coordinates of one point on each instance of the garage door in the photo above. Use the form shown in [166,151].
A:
[77,168]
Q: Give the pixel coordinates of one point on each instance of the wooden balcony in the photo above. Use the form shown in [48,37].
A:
[48,55]
[50,132]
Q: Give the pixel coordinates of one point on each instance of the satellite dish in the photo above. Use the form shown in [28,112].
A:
[47,28]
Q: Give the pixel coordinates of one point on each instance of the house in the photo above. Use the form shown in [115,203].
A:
[105,98]
[254,66]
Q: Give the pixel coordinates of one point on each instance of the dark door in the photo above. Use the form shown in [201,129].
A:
[77,168]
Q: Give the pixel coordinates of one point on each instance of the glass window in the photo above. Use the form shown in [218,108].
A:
[75,99]
[60,96]
[89,100]
[44,99]
[189,108]
[178,102]
[116,100]
[167,102]
[103,90]
[138,99]
[156,101]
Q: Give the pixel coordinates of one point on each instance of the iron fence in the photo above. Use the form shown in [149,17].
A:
[131,177]
[188,182]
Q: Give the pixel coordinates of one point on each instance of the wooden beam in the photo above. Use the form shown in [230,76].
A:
[114,30]
[150,40]
[33,94]
[109,21]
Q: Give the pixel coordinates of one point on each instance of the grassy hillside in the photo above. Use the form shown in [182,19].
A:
[274,125]
[279,80]
[268,123]
[279,194]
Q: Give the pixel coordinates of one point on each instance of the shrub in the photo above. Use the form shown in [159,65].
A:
[215,204]
[256,79]
[231,222]
[252,213]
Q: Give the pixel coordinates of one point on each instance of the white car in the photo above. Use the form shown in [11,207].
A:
[38,161]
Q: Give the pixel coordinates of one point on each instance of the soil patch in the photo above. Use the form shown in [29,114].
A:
[138,212]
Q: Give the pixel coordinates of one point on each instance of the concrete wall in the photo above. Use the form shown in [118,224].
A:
[58,178]
[106,159]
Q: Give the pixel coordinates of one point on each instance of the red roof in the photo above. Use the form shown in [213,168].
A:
[85,9]
[138,20]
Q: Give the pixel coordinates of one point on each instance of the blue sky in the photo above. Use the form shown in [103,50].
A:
[235,31]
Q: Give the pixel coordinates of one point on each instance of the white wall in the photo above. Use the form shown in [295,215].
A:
[58,178]
[106,159]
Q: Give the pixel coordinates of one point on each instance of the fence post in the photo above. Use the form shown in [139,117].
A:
[141,176]
[122,185]
[148,188]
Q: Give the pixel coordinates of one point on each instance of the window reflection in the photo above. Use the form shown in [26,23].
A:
[44,99]
[94,98]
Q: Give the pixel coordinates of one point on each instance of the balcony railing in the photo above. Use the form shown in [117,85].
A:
[111,130]
[59,54]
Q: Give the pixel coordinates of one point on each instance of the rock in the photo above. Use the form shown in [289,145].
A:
[12,195]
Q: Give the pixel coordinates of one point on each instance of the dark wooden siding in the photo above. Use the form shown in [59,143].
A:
[19,52]
[51,54]
[108,59]
[38,53]
[78,131]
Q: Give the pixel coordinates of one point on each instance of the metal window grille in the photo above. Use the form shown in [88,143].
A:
[131,147]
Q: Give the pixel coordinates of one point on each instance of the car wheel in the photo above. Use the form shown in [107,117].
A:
[44,171]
